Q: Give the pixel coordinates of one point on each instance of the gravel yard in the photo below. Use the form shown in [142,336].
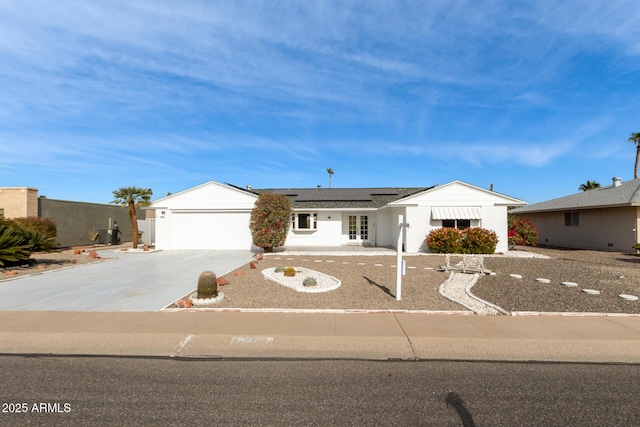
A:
[368,282]
[611,273]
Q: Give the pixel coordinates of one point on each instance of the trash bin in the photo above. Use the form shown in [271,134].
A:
[102,237]
[112,236]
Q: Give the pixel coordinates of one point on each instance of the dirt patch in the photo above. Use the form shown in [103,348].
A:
[51,261]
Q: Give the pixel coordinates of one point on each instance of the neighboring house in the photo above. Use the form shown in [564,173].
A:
[605,218]
[216,216]
[74,220]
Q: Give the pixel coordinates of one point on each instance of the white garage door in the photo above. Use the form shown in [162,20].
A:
[211,230]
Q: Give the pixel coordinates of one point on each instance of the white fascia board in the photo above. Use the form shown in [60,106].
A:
[334,209]
[210,210]
[203,185]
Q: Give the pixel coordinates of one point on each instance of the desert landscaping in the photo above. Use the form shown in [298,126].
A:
[368,282]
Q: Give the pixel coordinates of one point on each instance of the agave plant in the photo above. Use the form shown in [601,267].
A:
[14,246]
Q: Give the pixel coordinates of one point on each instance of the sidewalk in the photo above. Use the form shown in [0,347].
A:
[407,336]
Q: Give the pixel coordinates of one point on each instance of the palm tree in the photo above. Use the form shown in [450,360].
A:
[132,197]
[590,185]
[635,138]
[330,172]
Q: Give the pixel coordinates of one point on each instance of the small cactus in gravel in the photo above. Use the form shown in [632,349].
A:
[207,285]
[289,271]
[309,281]
[278,269]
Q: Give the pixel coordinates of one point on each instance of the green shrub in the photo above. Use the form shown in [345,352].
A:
[474,240]
[207,285]
[522,231]
[278,269]
[14,245]
[41,233]
[309,281]
[42,225]
[289,271]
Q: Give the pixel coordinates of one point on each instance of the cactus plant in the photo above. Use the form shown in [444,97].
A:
[278,269]
[289,271]
[309,281]
[207,285]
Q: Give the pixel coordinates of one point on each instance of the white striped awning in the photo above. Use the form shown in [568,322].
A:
[455,212]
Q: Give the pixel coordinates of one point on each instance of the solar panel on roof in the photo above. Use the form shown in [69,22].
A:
[337,194]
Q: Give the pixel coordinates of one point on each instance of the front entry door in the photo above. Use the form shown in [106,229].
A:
[358,228]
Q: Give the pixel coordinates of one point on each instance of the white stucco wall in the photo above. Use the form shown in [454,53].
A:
[386,218]
[327,233]
[492,206]
[209,216]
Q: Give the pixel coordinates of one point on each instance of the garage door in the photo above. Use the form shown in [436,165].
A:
[211,230]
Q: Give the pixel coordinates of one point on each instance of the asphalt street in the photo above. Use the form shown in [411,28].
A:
[163,391]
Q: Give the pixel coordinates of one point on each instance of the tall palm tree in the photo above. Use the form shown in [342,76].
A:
[132,197]
[590,185]
[635,138]
[330,172]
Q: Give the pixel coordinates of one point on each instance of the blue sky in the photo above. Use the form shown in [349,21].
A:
[532,97]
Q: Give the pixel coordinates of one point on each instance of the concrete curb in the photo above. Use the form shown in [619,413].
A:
[318,311]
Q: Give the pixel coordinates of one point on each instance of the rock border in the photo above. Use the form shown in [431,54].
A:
[325,282]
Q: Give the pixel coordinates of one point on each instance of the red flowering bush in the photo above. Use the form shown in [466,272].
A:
[444,240]
[270,219]
[478,240]
[468,241]
[522,231]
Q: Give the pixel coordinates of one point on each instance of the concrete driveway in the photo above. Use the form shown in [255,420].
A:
[130,282]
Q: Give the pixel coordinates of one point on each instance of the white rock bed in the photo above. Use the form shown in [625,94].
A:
[457,289]
[325,283]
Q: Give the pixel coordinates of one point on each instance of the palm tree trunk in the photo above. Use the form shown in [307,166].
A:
[635,169]
[134,223]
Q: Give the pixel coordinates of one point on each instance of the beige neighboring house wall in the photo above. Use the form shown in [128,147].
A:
[18,202]
[608,229]
[605,218]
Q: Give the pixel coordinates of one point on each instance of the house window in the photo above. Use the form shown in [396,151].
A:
[460,224]
[572,218]
[304,221]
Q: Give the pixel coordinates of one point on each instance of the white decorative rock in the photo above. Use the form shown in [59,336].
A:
[628,297]
[205,301]
[516,276]
[543,280]
[591,291]
[570,284]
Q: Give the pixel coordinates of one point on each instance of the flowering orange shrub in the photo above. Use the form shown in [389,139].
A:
[468,241]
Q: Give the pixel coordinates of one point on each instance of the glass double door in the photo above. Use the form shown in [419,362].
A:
[358,228]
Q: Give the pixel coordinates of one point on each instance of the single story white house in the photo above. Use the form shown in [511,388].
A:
[216,216]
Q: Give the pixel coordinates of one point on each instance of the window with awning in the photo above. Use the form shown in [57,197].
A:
[455,212]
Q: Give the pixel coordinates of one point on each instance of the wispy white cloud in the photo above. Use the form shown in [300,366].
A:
[176,85]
